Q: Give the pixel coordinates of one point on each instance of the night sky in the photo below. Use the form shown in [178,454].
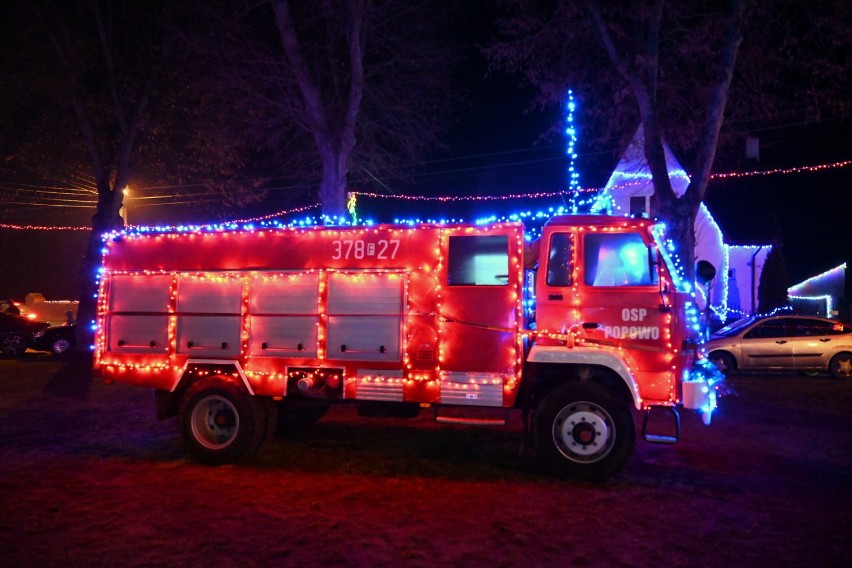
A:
[496,147]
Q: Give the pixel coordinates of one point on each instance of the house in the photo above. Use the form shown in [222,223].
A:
[825,295]
[733,236]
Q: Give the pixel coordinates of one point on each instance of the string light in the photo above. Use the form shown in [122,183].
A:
[455,198]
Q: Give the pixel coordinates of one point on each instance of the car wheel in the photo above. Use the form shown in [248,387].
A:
[60,346]
[220,422]
[14,345]
[583,432]
[723,361]
[840,366]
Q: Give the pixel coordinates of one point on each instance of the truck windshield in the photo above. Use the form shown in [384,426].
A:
[669,256]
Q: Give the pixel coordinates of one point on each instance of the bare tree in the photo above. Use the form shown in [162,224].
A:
[123,102]
[367,85]
[673,68]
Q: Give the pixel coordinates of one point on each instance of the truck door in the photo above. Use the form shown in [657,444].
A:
[619,296]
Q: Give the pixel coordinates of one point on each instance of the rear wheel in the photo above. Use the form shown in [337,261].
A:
[222,423]
[60,346]
[840,366]
[583,431]
[723,361]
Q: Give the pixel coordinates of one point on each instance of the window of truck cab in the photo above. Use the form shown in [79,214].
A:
[559,260]
[617,259]
[478,260]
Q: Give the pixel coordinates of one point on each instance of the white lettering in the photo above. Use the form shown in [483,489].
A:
[631,332]
[634,314]
[358,249]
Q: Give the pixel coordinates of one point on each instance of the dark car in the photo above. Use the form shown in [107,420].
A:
[16,333]
[56,339]
[785,342]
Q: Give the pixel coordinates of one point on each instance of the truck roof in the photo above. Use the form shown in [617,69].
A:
[597,220]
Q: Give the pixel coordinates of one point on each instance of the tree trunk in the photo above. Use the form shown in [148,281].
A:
[332,191]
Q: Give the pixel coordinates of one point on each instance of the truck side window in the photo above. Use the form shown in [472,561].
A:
[559,265]
[478,261]
[617,259]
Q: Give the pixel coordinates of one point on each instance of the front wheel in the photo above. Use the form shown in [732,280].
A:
[220,422]
[723,361]
[583,432]
[13,344]
[841,366]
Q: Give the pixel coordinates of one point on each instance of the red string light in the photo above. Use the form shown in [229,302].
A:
[448,198]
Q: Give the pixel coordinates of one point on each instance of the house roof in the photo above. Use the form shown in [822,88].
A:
[743,215]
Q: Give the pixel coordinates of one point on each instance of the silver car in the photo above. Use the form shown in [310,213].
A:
[783,342]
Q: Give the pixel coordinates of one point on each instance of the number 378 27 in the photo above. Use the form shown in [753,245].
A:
[346,249]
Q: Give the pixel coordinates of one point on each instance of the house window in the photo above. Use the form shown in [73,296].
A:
[478,261]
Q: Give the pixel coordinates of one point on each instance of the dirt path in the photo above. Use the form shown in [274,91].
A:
[96,480]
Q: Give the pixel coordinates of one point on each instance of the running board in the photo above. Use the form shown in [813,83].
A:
[661,438]
[471,421]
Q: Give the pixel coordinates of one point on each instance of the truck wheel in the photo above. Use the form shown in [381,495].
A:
[220,422]
[583,431]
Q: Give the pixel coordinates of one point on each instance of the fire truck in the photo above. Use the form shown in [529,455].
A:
[587,331]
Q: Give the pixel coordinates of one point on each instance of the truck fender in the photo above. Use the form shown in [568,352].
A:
[220,366]
[166,402]
[559,355]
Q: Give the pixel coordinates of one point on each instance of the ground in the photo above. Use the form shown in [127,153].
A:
[88,476]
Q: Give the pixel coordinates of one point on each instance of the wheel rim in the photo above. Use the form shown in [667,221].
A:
[843,366]
[60,346]
[215,422]
[14,345]
[583,432]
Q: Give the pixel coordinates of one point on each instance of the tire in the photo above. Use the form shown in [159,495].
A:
[840,365]
[583,432]
[220,422]
[725,362]
[13,345]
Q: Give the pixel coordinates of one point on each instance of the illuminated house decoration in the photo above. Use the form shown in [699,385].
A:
[738,260]
[825,295]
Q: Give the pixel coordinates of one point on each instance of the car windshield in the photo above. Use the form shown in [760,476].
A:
[734,328]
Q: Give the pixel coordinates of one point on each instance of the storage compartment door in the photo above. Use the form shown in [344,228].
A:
[209,322]
[138,320]
[365,315]
[284,315]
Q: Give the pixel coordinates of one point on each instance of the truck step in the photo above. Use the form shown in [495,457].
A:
[664,421]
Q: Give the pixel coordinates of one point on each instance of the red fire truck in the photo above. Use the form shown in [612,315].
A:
[241,331]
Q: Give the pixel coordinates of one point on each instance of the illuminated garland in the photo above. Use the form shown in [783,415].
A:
[829,304]
[800,287]
[571,135]
[344,221]
[42,228]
